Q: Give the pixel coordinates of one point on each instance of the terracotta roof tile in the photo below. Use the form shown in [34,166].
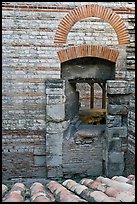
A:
[101,189]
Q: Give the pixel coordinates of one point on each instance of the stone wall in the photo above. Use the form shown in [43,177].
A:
[115,144]
[30,58]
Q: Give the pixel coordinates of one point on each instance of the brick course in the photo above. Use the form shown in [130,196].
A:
[86,11]
[88,51]
[30,57]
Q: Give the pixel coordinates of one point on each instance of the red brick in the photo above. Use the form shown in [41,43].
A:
[85,11]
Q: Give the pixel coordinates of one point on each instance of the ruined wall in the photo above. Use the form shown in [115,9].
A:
[30,57]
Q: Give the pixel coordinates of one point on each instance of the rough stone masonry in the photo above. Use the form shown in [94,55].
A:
[35,138]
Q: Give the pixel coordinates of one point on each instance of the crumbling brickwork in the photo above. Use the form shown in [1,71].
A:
[30,58]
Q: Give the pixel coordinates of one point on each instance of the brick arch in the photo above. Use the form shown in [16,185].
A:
[88,51]
[91,11]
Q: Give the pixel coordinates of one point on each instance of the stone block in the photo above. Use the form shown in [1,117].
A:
[56,91]
[115,144]
[116,157]
[55,160]
[55,99]
[54,171]
[54,138]
[55,83]
[116,132]
[118,87]
[40,160]
[54,144]
[117,83]
[118,90]
[40,150]
[55,112]
[55,87]
[113,121]
[115,169]
[54,127]
[118,99]
[54,149]
[117,109]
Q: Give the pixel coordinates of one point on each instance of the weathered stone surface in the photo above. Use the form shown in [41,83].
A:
[118,99]
[118,90]
[40,160]
[53,127]
[117,83]
[30,59]
[98,70]
[113,121]
[114,144]
[117,109]
[54,171]
[55,112]
[55,83]
[119,132]
[116,157]
[55,99]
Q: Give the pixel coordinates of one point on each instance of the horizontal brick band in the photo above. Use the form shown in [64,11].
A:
[86,11]
[88,51]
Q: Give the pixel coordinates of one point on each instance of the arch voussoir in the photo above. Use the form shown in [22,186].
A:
[88,51]
[86,11]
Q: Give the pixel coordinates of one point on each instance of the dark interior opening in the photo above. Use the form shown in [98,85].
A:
[86,99]
[91,101]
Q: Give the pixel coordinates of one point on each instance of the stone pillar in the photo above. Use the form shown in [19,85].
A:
[55,126]
[116,126]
